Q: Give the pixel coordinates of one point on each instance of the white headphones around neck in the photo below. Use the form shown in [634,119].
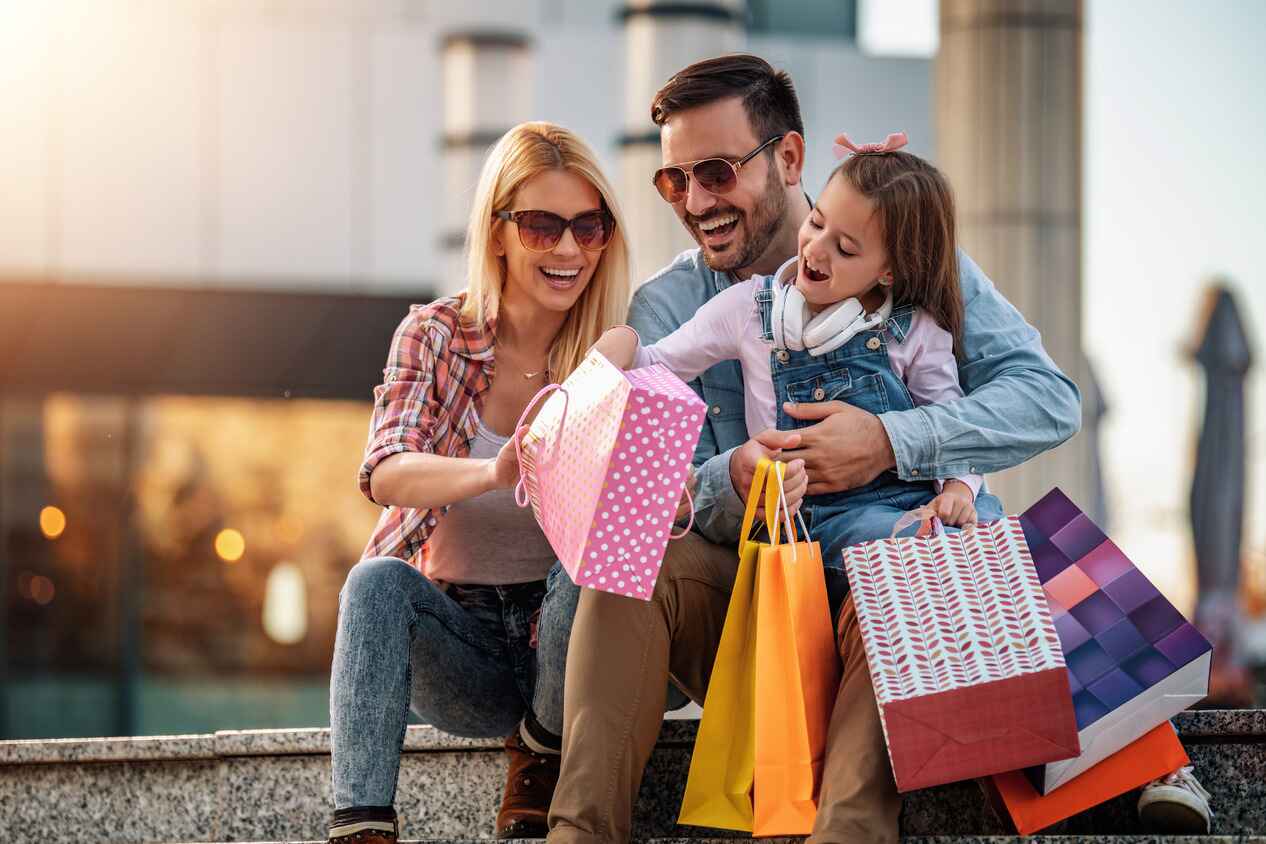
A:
[795,328]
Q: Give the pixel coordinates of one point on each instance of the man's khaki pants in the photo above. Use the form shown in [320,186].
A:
[623,652]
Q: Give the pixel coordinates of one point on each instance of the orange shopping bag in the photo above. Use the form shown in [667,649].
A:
[797,675]
[1156,754]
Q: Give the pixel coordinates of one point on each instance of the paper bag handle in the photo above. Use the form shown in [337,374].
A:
[753,499]
[690,499]
[914,517]
[776,504]
[520,489]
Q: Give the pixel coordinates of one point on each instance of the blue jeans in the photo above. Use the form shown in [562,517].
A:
[461,658]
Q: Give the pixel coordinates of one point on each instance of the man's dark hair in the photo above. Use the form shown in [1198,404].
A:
[768,95]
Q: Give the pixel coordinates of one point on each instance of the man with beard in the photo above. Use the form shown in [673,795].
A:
[733,149]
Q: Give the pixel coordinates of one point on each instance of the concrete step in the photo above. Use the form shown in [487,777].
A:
[274,785]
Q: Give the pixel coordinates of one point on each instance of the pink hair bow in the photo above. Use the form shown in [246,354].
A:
[843,146]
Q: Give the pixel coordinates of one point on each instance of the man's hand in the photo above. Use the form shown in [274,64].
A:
[847,448]
[955,506]
[768,443]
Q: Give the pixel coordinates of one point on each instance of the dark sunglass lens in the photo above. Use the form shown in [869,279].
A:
[671,183]
[592,230]
[541,230]
[716,175]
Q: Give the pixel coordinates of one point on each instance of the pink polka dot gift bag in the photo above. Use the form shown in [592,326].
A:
[604,465]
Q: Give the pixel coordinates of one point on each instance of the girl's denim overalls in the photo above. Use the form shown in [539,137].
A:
[860,374]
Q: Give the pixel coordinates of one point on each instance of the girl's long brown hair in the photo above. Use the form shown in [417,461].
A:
[916,209]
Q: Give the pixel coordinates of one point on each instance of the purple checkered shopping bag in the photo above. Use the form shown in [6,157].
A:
[1133,660]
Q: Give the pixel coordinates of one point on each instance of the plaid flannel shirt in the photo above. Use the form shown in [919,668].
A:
[437,375]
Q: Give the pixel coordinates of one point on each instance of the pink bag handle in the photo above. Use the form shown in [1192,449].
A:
[689,524]
[520,489]
[914,517]
[663,442]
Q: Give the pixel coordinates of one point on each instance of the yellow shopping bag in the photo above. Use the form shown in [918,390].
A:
[719,786]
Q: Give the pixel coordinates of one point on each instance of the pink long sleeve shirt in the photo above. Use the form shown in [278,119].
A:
[728,327]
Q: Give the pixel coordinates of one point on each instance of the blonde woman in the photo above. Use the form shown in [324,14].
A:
[439,615]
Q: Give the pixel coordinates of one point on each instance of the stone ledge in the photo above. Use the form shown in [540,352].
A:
[1212,726]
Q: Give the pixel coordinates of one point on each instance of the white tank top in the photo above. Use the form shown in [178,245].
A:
[488,539]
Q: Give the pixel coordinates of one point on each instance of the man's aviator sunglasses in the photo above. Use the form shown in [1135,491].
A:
[540,231]
[715,175]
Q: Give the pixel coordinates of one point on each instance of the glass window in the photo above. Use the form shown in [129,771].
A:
[173,564]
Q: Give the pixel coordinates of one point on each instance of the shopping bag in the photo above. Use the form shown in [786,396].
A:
[962,652]
[1133,661]
[604,464]
[797,675]
[719,785]
[1017,802]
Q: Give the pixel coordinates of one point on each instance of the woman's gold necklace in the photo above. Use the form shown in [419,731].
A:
[528,375]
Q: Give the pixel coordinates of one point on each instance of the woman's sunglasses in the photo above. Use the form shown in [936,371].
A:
[715,175]
[540,231]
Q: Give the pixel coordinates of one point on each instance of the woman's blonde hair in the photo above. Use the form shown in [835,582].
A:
[522,153]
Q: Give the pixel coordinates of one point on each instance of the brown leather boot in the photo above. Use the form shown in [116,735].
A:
[364,832]
[365,837]
[529,789]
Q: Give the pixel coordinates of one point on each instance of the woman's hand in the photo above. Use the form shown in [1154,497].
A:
[503,470]
[955,506]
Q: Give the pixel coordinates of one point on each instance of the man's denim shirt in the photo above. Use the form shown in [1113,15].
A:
[1017,403]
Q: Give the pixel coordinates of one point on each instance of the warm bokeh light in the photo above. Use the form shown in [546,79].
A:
[42,590]
[230,545]
[289,529]
[52,522]
[286,605]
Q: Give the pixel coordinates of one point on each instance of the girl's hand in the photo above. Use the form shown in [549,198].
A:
[795,482]
[504,468]
[618,345]
[956,505]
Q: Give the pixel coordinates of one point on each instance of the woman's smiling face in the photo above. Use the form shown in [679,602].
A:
[553,280]
[841,247]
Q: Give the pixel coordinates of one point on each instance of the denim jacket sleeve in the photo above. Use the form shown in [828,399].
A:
[1017,403]
[718,509]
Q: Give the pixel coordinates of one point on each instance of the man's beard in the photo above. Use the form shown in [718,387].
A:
[760,226]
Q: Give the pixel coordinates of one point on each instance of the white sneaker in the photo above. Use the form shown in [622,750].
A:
[1176,804]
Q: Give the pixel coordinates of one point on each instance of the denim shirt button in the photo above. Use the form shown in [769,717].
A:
[819,394]
[716,410]
[914,472]
[783,356]
[873,344]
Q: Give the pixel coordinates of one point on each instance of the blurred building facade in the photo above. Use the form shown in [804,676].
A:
[213,216]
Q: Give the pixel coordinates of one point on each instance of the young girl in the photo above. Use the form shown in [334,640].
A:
[868,312]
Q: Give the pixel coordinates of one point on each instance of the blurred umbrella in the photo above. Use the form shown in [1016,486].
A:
[1217,491]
